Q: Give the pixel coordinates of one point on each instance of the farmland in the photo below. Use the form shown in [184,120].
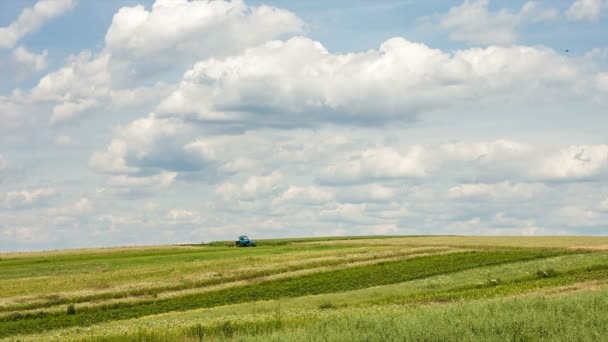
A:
[366,288]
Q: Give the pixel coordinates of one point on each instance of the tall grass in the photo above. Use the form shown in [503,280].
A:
[581,317]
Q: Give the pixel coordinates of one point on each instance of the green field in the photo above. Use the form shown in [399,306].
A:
[429,288]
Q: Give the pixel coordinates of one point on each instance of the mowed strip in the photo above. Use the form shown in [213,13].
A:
[238,278]
[49,275]
[326,282]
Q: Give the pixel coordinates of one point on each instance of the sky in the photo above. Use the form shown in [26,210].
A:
[143,122]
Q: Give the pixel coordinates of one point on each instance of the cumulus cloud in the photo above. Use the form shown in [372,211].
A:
[372,192]
[63,140]
[173,30]
[145,143]
[181,216]
[484,151]
[31,19]
[586,10]
[474,23]
[25,234]
[578,215]
[499,191]
[602,82]
[305,195]
[130,186]
[66,213]
[378,163]
[28,198]
[27,62]
[577,162]
[3,163]
[140,44]
[255,187]
[604,205]
[304,84]
[484,167]
[348,212]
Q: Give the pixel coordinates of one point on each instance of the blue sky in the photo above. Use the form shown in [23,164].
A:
[170,121]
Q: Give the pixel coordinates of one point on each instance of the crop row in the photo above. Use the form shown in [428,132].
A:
[327,282]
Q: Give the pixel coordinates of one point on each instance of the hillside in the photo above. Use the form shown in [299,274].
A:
[366,288]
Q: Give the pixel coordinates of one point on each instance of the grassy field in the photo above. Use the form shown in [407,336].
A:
[435,288]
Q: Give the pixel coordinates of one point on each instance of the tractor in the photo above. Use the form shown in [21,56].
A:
[244,241]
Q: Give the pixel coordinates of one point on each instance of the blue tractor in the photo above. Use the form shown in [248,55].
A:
[244,241]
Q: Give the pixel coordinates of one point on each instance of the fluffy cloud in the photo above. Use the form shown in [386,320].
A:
[27,62]
[372,192]
[70,212]
[577,216]
[604,205]
[31,19]
[3,163]
[588,10]
[474,23]
[178,29]
[602,82]
[304,84]
[140,44]
[305,195]
[348,212]
[254,188]
[499,191]
[575,162]
[378,163]
[28,198]
[484,151]
[63,140]
[181,216]
[138,186]
[145,143]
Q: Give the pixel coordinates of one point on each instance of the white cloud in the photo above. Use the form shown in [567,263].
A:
[305,195]
[576,215]
[69,212]
[63,140]
[26,234]
[484,151]
[378,163]
[499,191]
[162,180]
[140,44]
[28,198]
[27,62]
[146,142]
[255,187]
[604,205]
[182,216]
[31,19]
[239,164]
[306,85]
[69,110]
[602,82]
[123,185]
[194,29]
[575,162]
[474,23]
[348,212]
[3,163]
[586,10]
[372,192]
